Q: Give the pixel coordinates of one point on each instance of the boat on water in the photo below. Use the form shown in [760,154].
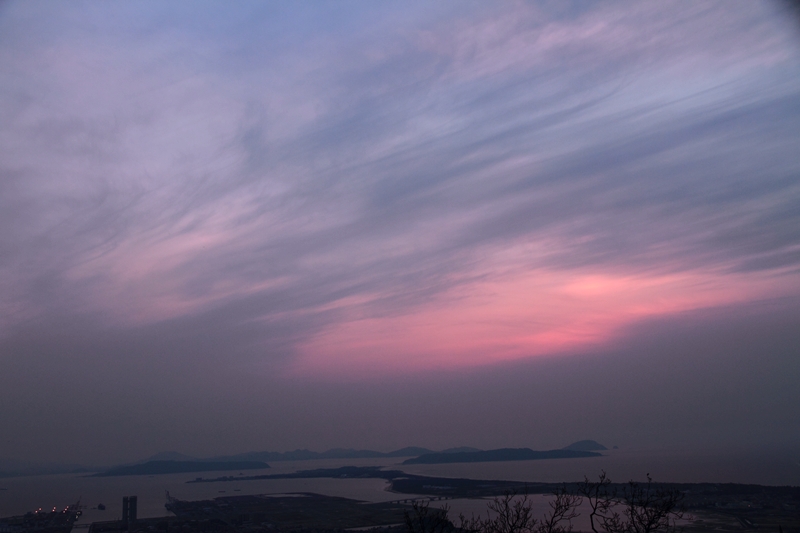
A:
[43,520]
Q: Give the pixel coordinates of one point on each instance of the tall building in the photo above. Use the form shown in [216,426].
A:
[129,504]
[132,509]
[125,511]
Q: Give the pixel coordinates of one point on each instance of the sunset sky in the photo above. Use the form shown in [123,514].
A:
[260,226]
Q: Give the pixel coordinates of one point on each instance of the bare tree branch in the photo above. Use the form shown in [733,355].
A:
[423,519]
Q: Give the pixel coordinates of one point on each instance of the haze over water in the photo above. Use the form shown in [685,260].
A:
[236,226]
[775,467]
[780,467]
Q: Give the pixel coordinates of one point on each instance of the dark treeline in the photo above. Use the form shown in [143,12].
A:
[630,508]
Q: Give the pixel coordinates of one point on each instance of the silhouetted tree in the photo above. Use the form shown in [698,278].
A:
[512,513]
[563,508]
[636,508]
[633,508]
[423,519]
[599,496]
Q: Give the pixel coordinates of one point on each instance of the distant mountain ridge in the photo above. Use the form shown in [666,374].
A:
[180,467]
[13,468]
[334,453]
[586,446]
[500,454]
[171,456]
[345,453]
[306,455]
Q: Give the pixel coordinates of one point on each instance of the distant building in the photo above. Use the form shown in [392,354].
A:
[129,504]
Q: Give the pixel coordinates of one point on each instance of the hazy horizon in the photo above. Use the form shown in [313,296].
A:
[270,226]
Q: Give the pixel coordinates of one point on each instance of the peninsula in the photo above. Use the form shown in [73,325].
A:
[180,467]
[501,454]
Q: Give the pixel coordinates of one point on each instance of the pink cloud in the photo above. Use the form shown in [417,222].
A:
[526,314]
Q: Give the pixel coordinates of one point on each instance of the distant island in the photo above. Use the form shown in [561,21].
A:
[349,453]
[501,454]
[306,455]
[175,463]
[180,467]
[585,446]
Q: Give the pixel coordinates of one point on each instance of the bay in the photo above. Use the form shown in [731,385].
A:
[766,467]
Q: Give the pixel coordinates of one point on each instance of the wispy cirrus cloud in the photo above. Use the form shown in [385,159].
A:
[455,168]
[213,215]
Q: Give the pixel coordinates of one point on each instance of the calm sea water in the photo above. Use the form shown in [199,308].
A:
[770,467]
[22,494]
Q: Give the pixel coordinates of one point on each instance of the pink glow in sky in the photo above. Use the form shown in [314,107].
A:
[534,313]
[202,203]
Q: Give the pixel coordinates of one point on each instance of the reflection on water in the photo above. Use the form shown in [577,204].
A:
[27,493]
